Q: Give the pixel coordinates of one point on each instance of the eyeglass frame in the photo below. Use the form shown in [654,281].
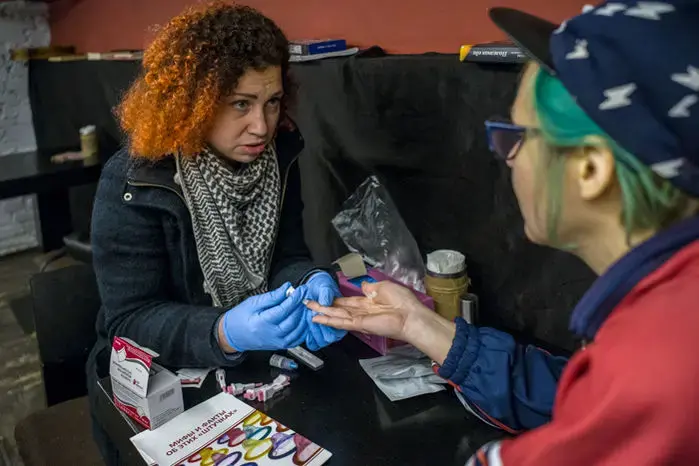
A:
[501,124]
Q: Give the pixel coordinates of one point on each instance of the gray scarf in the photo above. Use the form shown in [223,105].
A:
[235,215]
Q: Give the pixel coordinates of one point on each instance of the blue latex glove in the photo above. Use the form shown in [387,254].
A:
[268,321]
[321,288]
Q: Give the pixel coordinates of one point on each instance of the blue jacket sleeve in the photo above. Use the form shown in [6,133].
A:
[505,384]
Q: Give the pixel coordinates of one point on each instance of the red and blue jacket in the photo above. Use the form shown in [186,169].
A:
[628,397]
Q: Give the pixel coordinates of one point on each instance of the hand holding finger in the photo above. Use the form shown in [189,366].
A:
[269,299]
[328,334]
[296,336]
[314,306]
[315,335]
[326,296]
[279,313]
[293,320]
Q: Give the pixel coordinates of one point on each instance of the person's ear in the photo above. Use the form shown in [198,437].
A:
[594,171]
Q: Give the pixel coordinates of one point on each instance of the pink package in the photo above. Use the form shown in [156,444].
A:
[351,287]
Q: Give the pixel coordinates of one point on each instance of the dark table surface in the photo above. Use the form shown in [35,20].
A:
[33,172]
[340,409]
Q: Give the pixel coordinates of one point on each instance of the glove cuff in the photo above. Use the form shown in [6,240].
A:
[225,334]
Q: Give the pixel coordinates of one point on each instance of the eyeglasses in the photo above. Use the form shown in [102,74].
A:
[505,138]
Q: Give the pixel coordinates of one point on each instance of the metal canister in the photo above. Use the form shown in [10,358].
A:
[469,308]
[446,282]
[88,145]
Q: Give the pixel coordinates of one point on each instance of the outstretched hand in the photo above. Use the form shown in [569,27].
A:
[387,309]
[390,310]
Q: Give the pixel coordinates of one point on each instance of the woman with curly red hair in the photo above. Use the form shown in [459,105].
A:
[199,217]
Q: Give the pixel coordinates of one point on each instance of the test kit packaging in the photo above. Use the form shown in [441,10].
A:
[225,431]
[315,47]
[353,287]
[146,391]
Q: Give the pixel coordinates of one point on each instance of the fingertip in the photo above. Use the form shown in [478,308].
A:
[280,293]
[302,292]
[294,299]
[312,305]
[369,290]
[326,297]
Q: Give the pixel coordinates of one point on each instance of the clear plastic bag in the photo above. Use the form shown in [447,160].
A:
[403,373]
[370,225]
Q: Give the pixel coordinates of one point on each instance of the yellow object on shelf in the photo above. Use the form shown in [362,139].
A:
[463,52]
[40,53]
[492,52]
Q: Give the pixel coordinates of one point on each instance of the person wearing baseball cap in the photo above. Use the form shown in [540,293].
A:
[603,143]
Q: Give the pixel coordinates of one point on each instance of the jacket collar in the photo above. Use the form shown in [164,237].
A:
[623,276]
[160,173]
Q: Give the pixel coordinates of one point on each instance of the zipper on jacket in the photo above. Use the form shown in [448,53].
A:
[140,184]
[281,208]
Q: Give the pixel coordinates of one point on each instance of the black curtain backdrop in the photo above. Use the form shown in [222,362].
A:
[414,121]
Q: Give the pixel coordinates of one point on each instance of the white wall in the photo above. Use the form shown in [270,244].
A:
[22,24]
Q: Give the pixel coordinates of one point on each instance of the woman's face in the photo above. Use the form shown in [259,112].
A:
[247,119]
[526,166]
[589,199]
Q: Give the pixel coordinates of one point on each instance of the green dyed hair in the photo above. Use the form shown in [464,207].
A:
[648,201]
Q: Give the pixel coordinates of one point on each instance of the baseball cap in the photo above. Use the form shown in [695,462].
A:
[633,67]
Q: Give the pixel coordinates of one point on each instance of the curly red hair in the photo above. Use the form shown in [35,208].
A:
[195,61]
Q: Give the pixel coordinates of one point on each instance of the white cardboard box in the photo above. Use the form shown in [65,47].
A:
[226,431]
[146,391]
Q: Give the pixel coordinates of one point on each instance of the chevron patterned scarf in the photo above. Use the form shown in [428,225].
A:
[235,214]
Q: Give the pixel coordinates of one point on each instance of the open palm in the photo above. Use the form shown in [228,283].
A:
[385,310]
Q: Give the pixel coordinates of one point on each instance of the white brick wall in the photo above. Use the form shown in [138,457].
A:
[22,24]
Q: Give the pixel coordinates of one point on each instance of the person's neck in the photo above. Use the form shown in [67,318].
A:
[604,247]
[231,163]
